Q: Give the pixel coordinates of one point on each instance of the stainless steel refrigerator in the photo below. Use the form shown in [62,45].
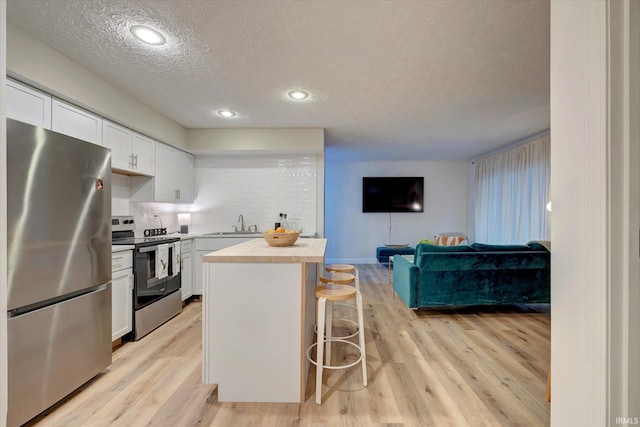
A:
[59,259]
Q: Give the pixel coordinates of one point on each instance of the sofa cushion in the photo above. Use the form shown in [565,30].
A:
[436,248]
[537,246]
[483,247]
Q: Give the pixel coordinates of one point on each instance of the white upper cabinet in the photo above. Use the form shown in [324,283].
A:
[71,120]
[174,175]
[118,139]
[184,176]
[143,150]
[166,187]
[173,179]
[28,105]
[130,152]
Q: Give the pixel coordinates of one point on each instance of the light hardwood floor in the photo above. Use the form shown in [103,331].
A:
[464,367]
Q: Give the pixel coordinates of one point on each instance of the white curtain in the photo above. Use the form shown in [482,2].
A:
[512,190]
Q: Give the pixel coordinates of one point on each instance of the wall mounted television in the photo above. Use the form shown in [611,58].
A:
[393,194]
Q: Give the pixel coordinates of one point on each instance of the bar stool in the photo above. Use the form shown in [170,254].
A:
[350,269]
[345,268]
[336,288]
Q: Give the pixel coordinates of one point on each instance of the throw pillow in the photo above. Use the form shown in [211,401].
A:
[451,240]
[427,241]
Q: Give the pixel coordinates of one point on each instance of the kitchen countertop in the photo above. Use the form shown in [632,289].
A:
[218,235]
[258,250]
[188,236]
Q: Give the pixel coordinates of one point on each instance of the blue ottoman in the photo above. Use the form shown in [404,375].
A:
[383,253]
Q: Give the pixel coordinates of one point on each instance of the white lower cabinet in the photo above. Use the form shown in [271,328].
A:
[204,245]
[121,293]
[186,269]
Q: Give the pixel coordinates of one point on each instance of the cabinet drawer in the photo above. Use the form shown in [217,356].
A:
[121,260]
[185,246]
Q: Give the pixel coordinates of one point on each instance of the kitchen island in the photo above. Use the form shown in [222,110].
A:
[258,317]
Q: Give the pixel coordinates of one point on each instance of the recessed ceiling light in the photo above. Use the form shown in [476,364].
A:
[148,35]
[226,113]
[298,94]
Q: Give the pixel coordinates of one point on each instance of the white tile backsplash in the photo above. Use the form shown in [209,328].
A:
[259,187]
[120,194]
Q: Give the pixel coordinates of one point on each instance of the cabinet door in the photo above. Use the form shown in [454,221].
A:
[143,154]
[197,279]
[166,188]
[184,172]
[118,139]
[28,105]
[121,303]
[72,121]
[186,270]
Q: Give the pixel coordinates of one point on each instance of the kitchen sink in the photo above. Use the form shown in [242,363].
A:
[234,233]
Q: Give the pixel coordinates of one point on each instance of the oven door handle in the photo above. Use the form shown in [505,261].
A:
[147,249]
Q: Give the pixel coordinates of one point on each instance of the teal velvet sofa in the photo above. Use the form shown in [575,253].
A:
[479,274]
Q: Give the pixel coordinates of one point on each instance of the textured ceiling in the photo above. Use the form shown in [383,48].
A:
[390,79]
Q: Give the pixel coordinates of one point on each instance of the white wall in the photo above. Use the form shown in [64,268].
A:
[35,63]
[245,141]
[624,264]
[3,219]
[578,346]
[353,235]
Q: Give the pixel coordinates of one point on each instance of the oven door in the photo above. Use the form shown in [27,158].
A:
[148,287]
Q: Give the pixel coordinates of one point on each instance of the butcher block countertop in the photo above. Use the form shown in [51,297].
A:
[259,251]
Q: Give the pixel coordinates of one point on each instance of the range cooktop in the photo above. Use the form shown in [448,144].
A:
[144,241]
[122,233]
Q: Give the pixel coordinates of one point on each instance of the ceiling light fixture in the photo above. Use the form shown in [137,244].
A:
[148,35]
[298,94]
[226,113]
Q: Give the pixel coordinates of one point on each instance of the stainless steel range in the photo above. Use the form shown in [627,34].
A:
[156,270]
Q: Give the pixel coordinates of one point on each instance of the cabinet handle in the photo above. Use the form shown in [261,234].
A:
[136,160]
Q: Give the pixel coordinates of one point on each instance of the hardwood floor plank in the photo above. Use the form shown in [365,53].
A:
[463,366]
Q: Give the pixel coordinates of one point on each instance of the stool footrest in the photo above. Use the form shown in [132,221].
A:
[342,319]
[312,346]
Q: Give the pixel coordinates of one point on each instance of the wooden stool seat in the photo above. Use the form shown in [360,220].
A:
[335,292]
[338,278]
[340,268]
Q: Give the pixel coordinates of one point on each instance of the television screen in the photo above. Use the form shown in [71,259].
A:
[392,194]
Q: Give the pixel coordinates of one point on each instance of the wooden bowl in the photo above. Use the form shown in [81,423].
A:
[281,239]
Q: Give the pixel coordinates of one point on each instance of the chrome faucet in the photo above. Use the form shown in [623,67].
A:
[241,220]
